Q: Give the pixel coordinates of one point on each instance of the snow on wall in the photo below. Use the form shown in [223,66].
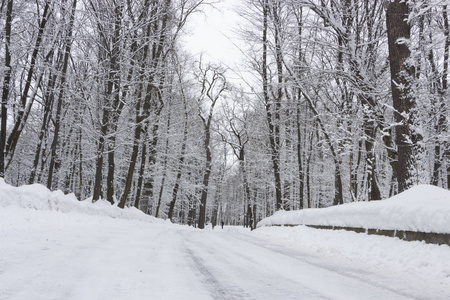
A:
[422,208]
[37,196]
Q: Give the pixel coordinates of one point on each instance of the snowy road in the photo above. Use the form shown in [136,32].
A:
[234,266]
[49,255]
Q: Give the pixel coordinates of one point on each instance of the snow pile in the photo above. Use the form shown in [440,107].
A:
[38,197]
[423,208]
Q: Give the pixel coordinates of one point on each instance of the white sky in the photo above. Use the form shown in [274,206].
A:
[211,33]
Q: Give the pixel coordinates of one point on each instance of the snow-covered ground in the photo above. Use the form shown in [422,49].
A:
[38,197]
[422,208]
[54,247]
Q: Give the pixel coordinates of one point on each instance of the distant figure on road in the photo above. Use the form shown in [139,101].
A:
[222,224]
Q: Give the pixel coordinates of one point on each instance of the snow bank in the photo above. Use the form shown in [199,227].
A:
[423,208]
[37,196]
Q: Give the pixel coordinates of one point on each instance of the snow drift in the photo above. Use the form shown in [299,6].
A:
[37,196]
[423,208]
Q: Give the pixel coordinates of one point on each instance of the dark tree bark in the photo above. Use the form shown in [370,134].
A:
[352,45]
[163,180]
[137,200]
[308,171]
[49,97]
[67,48]
[250,216]
[398,30]
[338,192]
[110,51]
[180,162]
[237,137]
[100,155]
[239,152]
[301,174]
[370,133]
[272,117]
[213,84]
[206,175]
[114,95]
[149,94]
[445,86]
[141,123]
[439,84]
[147,191]
[219,193]
[26,103]
[275,117]
[142,115]
[6,86]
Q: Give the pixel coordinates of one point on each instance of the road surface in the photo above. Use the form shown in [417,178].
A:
[48,255]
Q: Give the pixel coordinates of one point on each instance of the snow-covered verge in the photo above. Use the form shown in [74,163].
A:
[37,196]
[423,208]
[412,261]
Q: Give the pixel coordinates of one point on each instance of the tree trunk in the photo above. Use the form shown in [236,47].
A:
[373,189]
[272,120]
[134,153]
[62,87]
[147,192]
[152,95]
[276,144]
[110,45]
[80,191]
[213,83]
[48,108]
[205,182]
[142,115]
[6,87]
[308,173]
[445,86]
[250,216]
[26,105]
[161,189]
[245,177]
[111,169]
[299,155]
[180,164]
[137,200]
[398,30]
[113,94]
[100,154]
[354,184]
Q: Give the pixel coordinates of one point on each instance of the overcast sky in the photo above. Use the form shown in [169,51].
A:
[211,33]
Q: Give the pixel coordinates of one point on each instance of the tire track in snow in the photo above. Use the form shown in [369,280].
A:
[364,277]
[251,272]
[267,270]
[218,290]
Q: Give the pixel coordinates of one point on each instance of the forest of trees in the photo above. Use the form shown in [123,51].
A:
[345,100]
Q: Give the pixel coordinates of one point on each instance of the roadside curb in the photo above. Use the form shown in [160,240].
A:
[406,235]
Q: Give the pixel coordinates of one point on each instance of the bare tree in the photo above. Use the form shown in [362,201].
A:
[213,84]
[235,134]
[6,86]
[26,101]
[67,46]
